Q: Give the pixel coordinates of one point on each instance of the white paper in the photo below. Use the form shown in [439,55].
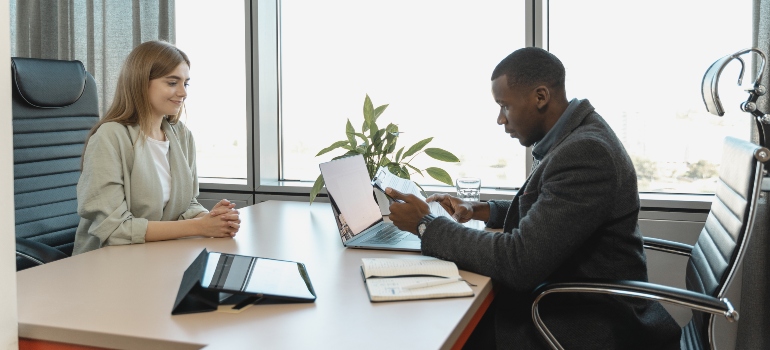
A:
[384,179]
[387,267]
[348,182]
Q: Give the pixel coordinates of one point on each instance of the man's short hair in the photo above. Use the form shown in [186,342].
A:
[531,66]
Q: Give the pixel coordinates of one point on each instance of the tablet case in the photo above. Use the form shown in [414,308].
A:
[192,297]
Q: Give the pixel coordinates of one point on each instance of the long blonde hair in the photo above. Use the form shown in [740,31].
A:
[131,105]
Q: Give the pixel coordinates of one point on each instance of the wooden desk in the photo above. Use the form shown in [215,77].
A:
[121,297]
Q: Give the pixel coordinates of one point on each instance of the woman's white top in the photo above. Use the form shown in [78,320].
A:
[159,152]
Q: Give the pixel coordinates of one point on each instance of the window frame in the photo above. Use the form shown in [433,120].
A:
[237,185]
[264,121]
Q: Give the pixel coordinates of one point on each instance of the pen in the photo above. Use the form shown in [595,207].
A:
[433,283]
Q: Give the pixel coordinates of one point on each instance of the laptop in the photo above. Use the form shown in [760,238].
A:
[357,214]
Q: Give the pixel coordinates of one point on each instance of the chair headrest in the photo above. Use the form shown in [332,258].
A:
[48,83]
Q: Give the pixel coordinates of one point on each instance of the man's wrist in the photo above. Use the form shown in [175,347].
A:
[422,225]
[480,211]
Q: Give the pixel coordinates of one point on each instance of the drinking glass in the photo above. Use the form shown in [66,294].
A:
[468,188]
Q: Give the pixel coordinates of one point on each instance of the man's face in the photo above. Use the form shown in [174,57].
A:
[518,111]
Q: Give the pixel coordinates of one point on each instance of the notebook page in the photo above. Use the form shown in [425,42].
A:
[348,181]
[385,267]
[388,289]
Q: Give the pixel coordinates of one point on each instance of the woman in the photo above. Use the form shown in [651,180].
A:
[139,181]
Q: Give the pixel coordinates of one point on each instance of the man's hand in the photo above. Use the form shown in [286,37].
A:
[406,215]
[460,210]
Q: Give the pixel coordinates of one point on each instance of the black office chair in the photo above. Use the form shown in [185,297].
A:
[712,261]
[54,106]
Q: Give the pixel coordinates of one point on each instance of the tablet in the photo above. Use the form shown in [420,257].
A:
[263,277]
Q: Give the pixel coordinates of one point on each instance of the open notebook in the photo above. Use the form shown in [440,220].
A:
[407,279]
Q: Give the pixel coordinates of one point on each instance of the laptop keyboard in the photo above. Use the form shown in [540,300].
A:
[388,235]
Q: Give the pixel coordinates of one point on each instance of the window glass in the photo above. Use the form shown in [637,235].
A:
[214,39]
[641,65]
[430,60]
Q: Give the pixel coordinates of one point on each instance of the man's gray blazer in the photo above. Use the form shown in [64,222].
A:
[574,219]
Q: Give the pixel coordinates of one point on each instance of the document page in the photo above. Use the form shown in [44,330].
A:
[348,182]
[384,179]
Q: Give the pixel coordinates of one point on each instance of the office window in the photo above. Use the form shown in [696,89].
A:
[641,64]
[430,60]
[214,39]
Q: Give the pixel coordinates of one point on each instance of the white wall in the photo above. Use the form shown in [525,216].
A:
[8,319]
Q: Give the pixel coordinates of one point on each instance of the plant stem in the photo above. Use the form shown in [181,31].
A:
[414,155]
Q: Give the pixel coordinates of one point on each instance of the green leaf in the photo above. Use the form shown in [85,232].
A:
[404,172]
[398,155]
[379,110]
[415,169]
[440,175]
[363,138]
[392,131]
[368,109]
[372,129]
[365,126]
[348,154]
[394,169]
[351,134]
[334,146]
[377,137]
[384,162]
[442,155]
[319,183]
[417,147]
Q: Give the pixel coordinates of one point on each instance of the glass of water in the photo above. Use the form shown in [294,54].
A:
[468,188]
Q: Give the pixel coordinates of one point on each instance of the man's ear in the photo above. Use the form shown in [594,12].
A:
[543,96]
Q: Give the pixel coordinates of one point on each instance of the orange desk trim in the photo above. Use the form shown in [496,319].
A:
[34,344]
[474,321]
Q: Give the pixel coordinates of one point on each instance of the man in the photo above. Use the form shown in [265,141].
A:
[575,218]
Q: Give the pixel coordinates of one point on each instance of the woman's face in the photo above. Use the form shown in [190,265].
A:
[167,93]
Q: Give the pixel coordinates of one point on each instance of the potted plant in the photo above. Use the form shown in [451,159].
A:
[377,147]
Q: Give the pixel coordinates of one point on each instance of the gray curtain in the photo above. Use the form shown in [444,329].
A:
[99,33]
[754,311]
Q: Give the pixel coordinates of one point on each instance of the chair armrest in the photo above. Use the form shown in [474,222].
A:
[667,246]
[634,289]
[36,252]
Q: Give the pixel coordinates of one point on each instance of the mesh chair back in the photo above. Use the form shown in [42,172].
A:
[54,106]
[721,243]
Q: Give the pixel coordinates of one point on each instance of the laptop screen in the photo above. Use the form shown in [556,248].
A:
[348,181]
[345,232]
